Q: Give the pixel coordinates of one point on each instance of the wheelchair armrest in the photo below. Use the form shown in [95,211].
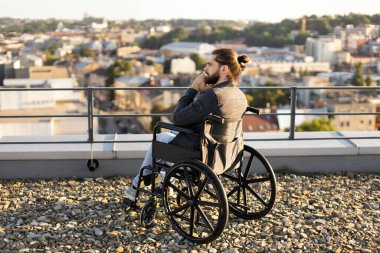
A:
[215,118]
[165,125]
[253,110]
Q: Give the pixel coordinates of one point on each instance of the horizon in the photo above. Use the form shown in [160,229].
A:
[171,9]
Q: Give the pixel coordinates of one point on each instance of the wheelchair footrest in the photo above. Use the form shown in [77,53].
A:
[129,203]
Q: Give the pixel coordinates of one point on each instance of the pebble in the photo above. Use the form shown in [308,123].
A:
[314,213]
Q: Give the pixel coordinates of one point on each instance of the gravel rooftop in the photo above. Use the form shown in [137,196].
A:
[314,213]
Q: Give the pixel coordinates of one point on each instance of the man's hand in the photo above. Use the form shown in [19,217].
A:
[199,83]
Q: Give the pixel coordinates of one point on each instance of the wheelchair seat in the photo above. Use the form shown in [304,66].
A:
[221,144]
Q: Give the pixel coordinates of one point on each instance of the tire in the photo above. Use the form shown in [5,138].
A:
[251,188]
[148,214]
[198,206]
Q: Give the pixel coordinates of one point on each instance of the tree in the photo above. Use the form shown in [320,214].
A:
[118,69]
[322,124]
[300,39]
[274,97]
[86,52]
[249,98]
[357,78]
[49,53]
[368,79]
[200,62]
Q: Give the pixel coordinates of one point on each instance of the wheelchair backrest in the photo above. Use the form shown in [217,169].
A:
[222,144]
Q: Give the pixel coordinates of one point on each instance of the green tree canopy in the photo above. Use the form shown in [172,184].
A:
[357,78]
[86,52]
[118,69]
[200,62]
[322,124]
[275,97]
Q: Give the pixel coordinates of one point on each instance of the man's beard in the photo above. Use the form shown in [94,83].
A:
[212,79]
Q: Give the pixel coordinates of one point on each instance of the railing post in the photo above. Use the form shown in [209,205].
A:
[90,115]
[293,104]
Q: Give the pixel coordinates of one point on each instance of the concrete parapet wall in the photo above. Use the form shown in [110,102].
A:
[68,160]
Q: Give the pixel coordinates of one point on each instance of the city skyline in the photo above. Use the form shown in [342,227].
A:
[171,9]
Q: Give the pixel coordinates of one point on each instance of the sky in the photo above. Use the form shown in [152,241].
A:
[263,10]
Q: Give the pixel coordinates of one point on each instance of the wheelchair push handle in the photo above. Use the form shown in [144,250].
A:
[253,110]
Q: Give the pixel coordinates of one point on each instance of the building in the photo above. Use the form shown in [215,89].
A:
[182,66]
[124,51]
[81,70]
[286,66]
[187,48]
[376,102]
[262,123]
[134,101]
[284,120]
[324,48]
[42,102]
[356,122]
[312,98]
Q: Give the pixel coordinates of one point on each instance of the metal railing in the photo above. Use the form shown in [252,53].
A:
[91,115]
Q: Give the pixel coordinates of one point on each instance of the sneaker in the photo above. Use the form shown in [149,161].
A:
[131,193]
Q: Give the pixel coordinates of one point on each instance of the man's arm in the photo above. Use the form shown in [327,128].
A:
[190,112]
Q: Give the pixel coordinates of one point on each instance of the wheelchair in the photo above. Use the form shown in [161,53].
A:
[197,195]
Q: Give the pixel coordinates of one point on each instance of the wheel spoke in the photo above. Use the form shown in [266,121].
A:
[257,196]
[236,205]
[257,180]
[235,179]
[204,218]
[189,183]
[248,166]
[207,203]
[232,191]
[201,187]
[188,220]
[192,220]
[210,193]
[245,197]
[179,209]
[183,194]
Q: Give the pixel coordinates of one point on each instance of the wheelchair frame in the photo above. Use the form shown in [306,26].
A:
[201,196]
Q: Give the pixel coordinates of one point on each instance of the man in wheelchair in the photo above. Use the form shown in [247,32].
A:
[213,92]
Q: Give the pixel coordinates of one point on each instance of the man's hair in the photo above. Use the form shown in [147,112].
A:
[236,64]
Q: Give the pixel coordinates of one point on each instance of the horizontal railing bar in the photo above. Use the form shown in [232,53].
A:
[45,142]
[44,116]
[148,141]
[170,114]
[316,139]
[165,114]
[340,113]
[42,89]
[337,88]
[185,88]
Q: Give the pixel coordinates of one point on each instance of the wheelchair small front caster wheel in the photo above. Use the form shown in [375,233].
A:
[92,164]
[148,213]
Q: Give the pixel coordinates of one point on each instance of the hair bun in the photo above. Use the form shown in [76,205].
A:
[242,60]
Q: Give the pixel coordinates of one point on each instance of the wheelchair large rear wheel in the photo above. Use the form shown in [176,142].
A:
[251,188]
[197,207]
